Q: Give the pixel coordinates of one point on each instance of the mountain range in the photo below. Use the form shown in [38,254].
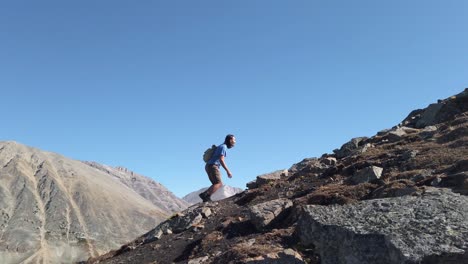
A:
[58,210]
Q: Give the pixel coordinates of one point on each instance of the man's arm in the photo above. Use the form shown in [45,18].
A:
[221,160]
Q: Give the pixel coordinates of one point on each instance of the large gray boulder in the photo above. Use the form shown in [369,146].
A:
[264,214]
[431,228]
[367,174]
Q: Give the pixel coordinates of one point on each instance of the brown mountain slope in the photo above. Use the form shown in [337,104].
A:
[152,191]
[397,197]
[57,210]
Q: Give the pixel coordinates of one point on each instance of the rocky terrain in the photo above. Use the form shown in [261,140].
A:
[399,196]
[222,193]
[58,210]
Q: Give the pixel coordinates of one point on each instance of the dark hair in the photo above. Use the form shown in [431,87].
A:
[227,140]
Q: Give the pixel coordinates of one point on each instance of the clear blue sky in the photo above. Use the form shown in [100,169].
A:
[149,85]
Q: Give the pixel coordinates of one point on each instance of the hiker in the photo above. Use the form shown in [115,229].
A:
[212,167]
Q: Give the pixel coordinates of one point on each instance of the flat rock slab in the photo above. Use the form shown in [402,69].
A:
[431,228]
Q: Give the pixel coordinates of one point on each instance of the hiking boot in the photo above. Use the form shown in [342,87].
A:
[205,197]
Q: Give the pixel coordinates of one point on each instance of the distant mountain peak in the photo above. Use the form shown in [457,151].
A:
[224,192]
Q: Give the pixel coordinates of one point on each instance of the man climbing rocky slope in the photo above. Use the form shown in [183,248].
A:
[397,197]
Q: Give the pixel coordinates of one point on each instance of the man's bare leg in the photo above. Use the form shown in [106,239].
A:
[213,188]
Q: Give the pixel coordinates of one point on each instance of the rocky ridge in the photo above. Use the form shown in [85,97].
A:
[399,196]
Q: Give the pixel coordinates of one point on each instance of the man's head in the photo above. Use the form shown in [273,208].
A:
[230,141]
